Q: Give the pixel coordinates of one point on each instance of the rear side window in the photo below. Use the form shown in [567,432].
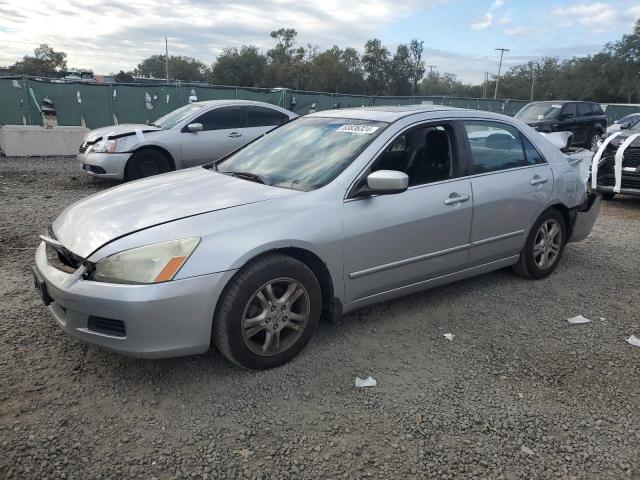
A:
[222,118]
[533,156]
[264,117]
[585,109]
[597,109]
[494,146]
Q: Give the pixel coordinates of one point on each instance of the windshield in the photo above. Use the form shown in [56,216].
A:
[305,154]
[171,119]
[540,111]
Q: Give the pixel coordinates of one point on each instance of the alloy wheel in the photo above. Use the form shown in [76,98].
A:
[275,316]
[546,246]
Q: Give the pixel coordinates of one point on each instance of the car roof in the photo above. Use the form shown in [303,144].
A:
[389,113]
[219,103]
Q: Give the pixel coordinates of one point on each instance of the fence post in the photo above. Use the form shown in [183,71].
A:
[27,95]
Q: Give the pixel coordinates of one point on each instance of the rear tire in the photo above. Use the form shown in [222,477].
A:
[543,250]
[592,141]
[608,195]
[267,313]
[146,163]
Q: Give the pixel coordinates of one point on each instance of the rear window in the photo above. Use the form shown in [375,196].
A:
[265,117]
[495,146]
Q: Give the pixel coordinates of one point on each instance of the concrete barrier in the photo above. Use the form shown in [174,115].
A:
[36,141]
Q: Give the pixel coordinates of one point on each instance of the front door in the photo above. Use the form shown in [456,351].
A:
[223,130]
[511,185]
[392,241]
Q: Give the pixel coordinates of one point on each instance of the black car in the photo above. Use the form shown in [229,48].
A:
[586,120]
[630,168]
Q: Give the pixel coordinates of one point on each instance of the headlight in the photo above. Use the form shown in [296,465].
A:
[105,147]
[149,264]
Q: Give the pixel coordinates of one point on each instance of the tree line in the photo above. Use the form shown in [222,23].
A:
[612,75]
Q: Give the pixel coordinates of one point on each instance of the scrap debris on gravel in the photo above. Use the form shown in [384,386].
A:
[519,392]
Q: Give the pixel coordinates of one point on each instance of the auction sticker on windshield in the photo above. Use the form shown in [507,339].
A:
[362,129]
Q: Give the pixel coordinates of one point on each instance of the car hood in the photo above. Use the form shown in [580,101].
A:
[115,131]
[91,223]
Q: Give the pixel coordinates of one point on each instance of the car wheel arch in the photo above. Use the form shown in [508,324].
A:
[564,211]
[157,148]
[312,261]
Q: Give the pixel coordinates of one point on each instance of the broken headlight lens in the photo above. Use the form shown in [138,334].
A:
[108,146]
[149,264]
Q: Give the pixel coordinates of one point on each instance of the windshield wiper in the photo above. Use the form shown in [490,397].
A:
[252,177]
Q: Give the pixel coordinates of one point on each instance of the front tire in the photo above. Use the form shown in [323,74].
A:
[146,163]
[543,250]
[268,313]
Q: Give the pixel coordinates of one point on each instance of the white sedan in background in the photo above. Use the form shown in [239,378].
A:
[191,135]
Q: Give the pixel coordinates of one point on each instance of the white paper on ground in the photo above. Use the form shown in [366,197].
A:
[578,320]
[367,382]
[633,340]
[449,336]
[526,450]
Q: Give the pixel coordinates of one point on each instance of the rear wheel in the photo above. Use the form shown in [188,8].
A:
[146,163]
[592,141]
[545,244]
[608,195]
[268,313]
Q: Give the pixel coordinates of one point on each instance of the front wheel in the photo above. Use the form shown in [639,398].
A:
[268,313]
[146,163]
[545,244]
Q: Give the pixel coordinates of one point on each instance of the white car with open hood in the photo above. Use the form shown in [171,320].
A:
[189,136]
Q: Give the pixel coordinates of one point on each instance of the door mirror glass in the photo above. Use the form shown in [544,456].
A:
[194,127]
[625,126]
[385,182]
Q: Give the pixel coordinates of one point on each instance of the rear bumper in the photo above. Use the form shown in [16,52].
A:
[585,218]
[104,165]
[162,320]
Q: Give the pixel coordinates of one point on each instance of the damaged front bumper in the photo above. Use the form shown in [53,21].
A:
[104,165]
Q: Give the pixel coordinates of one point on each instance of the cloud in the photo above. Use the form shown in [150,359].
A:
[117,34]
[598,16]
[486,20]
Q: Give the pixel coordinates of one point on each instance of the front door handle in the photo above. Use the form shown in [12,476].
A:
[455,198]
[537,180]
[235,135]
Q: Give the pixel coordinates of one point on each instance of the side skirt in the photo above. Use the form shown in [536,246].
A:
[431,283]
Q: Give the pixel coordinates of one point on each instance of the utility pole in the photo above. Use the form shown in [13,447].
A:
[166,57]
[502,50]
[486,84]
[431,67]
[533,81]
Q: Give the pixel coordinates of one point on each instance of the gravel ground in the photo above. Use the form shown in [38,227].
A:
[518,393]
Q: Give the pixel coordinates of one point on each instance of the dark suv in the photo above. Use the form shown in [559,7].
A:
[586,120]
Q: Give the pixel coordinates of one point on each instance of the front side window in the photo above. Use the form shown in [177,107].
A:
[494,146]
[425,154]
[224,118]
[265,117]
[570,110]
[305,154]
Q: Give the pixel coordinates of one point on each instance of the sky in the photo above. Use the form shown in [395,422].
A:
[460,36]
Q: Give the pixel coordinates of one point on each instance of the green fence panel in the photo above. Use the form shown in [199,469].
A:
[616,112]
[13,102]
[303,102]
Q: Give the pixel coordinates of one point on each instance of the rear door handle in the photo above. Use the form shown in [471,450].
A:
[537,179]
[455,198]
[235,135]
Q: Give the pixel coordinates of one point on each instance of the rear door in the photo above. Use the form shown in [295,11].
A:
[511,185]
[570,122]
[262,119]
[223,130]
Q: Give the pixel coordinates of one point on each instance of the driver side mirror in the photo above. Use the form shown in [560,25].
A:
[194,127]
[625,126]
[386,182]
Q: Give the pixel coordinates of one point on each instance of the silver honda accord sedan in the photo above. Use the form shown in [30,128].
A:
[328,213]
